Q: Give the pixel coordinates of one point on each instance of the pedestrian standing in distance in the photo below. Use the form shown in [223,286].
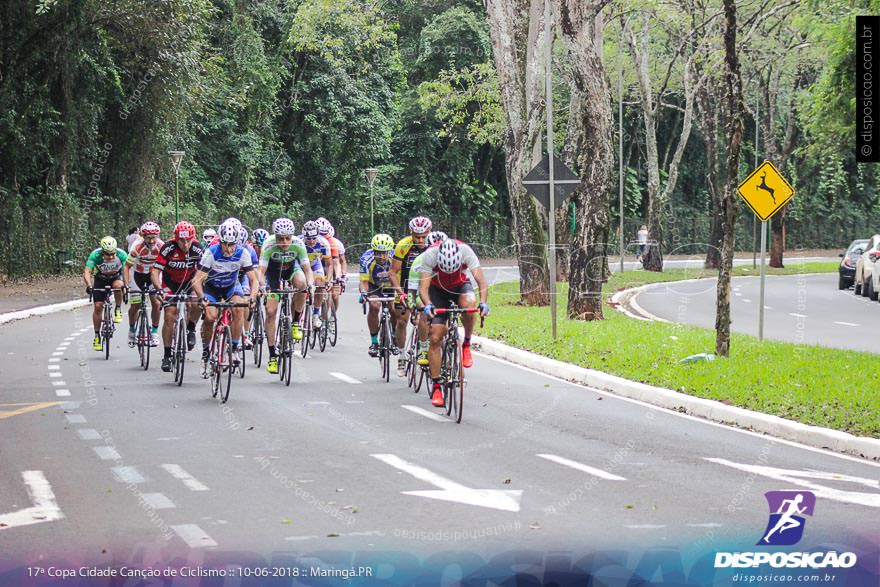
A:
[643,242]
[133,235]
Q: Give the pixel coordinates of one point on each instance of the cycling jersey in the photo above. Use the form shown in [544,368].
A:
[337,249]
[222,270]
[377,274]
[318,252]
[142,256]
[177,266]
[255,260]
[282,263]
[406,251]
[107,269]
[450,281]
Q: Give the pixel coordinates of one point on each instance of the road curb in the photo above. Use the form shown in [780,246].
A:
[815,436]
[42,310]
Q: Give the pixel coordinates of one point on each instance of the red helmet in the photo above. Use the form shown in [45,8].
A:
[185,230]
[149,229]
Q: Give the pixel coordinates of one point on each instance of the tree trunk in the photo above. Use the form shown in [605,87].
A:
[734,128]
[517,55]
[708,121]
[591,156]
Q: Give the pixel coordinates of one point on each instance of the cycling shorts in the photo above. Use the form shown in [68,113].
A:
[140,283]
[214,294]
[98,285]
[443,298]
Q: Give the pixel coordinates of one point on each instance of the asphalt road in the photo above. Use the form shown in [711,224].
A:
[805,309]
[102,461]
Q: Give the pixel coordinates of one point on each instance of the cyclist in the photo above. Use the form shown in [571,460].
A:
[172,274]
[443,281]
[111,270]
[208,236]
[284,257]
[245,284]
[260,236]
[217,279]
[337,251]
[375,279]
[142,255]
[318,250]
[405,252]
[435,238]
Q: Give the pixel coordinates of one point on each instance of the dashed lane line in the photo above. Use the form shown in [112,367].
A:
[582,467]
[88,434]
[344,377]
[107,453]
[188,480]
[194,536]
[426,413]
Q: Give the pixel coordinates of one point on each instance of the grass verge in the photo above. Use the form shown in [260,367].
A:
[809,384]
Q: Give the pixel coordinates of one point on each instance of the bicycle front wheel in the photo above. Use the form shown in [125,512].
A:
[179,353]
[306,330]
[144,339]
[257,336]
[225,365]
[331,327]
[457,390]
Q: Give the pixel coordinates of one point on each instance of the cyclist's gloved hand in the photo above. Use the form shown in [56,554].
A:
[89,289]
[429,310]
[484,309]
[311,290]
[403,298]
[361,297]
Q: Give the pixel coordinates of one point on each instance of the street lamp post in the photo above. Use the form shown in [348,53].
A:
[620,127]
[176,158]
[371,173]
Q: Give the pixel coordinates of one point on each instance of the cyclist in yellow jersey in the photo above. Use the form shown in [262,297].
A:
[405,253]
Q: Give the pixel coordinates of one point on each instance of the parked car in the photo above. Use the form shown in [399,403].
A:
[847,268]
[863,285]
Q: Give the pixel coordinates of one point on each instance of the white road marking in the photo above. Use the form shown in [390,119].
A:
[126,474]
[54,373]
[194,536]
[426,413]
[796,315]
[53,368]
[45,508]
[798,477]
[747,301]
[346,534]
[191,482]
[344,377]
[507,500]
[846,323]
[88,434]
[318,403]
[610,395]
[58,383]
[55,359]
[75,418]
[736,293]
[705,525]
[582,467]
[767,308]
[57,353]
[62,392]
[157,501]
[354,401]
[69,338]
[644,526]
[107,453]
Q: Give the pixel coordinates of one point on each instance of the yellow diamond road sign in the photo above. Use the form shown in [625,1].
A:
[765,191]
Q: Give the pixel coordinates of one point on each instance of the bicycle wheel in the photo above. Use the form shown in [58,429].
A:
[285,350]
[226,377]
[214,364]
[457,390]
[385,349]
[257,335]
[322,333]
[422,377]
[306,330]
[332,326]
[454,359]
[179,350]
[143,330]
[106,338]
[314,332]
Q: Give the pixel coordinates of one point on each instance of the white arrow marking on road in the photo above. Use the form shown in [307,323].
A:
[425,413]
[582,467]
[799,478]
[344,377]
[45,509]
[507,500]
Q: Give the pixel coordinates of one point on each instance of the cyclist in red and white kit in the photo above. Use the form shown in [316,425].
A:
[141,256]
[172,273]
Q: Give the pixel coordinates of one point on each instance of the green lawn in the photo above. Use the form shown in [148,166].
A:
[810,384]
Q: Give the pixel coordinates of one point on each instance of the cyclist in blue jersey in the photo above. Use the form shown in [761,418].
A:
[375,280]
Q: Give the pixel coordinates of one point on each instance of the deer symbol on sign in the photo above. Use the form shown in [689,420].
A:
[766,188]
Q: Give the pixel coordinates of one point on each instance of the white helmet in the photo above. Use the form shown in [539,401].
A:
[420,225]
[209,234]
[228,232]
[234,221]
[283,227]
[331,232]
[449,257]
[310,229]
[323,226]
[438,236]
[242,235]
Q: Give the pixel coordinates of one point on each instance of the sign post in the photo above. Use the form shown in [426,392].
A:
[176,157]
[765,191]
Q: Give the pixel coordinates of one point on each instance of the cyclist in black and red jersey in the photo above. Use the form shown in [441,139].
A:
[172,273]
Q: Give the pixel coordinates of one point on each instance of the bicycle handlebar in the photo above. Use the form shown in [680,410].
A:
[456,310]
[229,304]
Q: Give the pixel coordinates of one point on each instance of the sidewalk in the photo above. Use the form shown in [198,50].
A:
[26,293]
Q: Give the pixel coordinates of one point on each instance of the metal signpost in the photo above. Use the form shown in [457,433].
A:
[371,173]
[176,158]
[766,192]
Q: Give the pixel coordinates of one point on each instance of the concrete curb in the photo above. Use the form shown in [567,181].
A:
[814,436]
[42,310]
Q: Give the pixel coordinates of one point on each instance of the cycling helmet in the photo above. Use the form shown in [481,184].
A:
[438,236]
[242,235]
[209,234]
[331,232]
[260,235]
[283,227]
[449,257]
[234,221]
[228,232]
[310,229]
[420,225]
[149,229]
[185,230]
[323,226]
[108,244]
[382,243]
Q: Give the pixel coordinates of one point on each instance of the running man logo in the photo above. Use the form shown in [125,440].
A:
[786,525]
[766,191]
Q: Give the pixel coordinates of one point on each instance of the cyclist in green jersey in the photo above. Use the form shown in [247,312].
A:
[105,266]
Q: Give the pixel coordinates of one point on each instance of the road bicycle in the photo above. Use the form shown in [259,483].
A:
[143,328]
[178,335]
[108,327]
[451,368]
[415,374]
[333,327]
[221,365]
[386,334]
[305,322]
[327,331]
[283,331]
[257,333]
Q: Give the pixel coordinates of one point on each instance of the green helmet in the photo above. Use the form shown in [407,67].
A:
[108,244]
[382,243]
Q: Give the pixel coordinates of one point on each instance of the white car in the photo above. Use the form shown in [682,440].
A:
[865,280]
